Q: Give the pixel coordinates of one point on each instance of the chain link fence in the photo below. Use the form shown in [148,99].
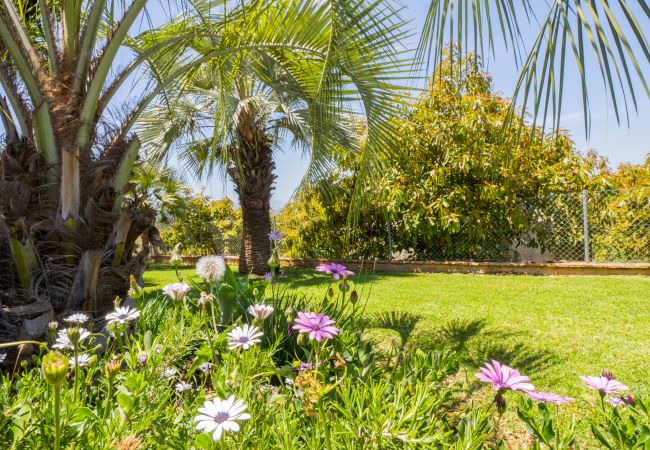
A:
[587,226]
[595,226]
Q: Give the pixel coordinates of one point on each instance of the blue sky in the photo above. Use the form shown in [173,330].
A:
[619,143]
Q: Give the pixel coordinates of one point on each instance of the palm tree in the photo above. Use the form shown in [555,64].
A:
[572,34]
[69,226]
[236,123]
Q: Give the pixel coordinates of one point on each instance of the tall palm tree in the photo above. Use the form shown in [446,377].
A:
[568,37]
[237,121]
[68,226]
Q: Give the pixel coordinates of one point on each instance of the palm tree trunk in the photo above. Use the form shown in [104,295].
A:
[255,246]
[253,177]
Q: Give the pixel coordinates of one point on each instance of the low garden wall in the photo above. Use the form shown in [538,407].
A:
[524,268]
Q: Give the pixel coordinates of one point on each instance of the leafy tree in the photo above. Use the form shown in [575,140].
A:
[317,225]
[462,186]
[620,215]
[237,121]
[204,226]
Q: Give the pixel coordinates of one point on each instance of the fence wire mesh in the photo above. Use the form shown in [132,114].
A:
[598,226]
[591,226]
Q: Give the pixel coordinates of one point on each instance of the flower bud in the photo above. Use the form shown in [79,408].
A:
[330,292]
[52,327]
[55,368]
[112,368]
[302,339]
[73,335]
[143,357]
[344,286]
[354,296]
[117,302]
[274,260]
[500,402]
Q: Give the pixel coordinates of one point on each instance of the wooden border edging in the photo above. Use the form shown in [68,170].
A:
[523,268]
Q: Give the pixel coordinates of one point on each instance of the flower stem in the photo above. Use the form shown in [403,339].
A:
[76,374]
[109,394]
[328,437]
[57,417]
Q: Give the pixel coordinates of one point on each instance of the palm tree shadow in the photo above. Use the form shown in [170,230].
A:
[403,323]
[475,343]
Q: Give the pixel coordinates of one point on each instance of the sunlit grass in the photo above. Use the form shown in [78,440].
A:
[554,328]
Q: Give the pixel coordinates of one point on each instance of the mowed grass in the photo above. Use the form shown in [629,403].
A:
[550,328]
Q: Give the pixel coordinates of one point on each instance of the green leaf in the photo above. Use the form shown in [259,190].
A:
[125,401]
[148,341]
[84,413]
[204,440]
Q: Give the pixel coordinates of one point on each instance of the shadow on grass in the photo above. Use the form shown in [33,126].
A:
[472,340]
[299,278]
[403,323]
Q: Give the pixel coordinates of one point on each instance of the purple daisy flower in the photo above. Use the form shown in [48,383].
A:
[276,236]
[504,378]
[334,269]
[306,366]
[616,401]
[549,397]
[318,326]
[604,384]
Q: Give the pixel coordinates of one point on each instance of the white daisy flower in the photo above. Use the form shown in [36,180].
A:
[211,268]
[177,291]
[244,337]
[168,373]
[260,312]
[123,315]
[82,360]
[219,416]
[67,338]
[182,386]
[77,318]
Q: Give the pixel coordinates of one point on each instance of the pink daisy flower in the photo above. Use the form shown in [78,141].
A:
[504,378]
[318,326]
[549,397]
[336,270]
[604,385]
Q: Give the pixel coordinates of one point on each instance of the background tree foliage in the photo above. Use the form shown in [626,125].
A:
[463,186]
[622,217]
[203,226]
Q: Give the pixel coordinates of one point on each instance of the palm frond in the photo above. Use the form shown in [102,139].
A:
[572,36]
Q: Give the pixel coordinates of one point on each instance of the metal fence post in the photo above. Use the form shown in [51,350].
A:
[585,225]
[390,243]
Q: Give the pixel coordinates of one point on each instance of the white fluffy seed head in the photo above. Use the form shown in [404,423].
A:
[211,268]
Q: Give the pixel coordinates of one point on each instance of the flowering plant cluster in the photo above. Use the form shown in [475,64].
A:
[281,371]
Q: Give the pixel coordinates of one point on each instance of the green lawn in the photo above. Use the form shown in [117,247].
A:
[551,328]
